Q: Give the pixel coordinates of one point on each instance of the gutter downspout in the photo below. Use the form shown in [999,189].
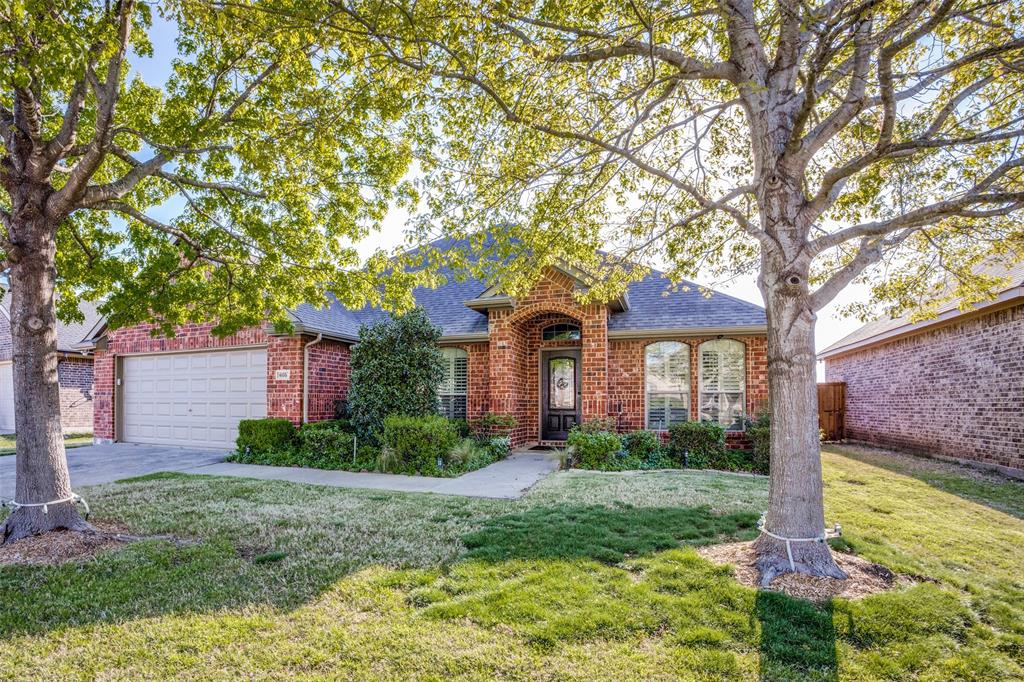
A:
[305,376]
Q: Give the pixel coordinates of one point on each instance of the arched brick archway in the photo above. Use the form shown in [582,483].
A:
[515,350]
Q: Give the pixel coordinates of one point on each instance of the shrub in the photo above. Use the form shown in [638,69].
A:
[642,445]
[593,449]
[418,442]
[326,445]
[462,426]
[264,436]
[492,424]
[396,368]
[696,444]
[600,425]
[464,451]
[499,447]
[760,433]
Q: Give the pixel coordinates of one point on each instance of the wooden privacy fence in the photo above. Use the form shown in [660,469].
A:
[832,409]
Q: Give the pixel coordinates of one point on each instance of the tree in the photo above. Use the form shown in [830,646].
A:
[272,153]
[396,369]
[813,143]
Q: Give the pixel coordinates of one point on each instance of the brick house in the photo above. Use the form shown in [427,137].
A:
[647,359]
[952,386]
[74,371]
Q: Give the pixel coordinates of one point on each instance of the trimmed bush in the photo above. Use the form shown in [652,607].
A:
[594,449]
[600,425]
[264,436]
[641,445]
[492,425]
[418,442]
[696,444]
[326,445]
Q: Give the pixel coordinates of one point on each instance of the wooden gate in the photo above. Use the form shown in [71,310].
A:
[832,409]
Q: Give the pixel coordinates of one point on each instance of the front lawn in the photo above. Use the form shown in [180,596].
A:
[71,440]
[582,579]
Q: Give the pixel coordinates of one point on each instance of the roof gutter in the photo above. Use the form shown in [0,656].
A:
[305,376]
[738,330]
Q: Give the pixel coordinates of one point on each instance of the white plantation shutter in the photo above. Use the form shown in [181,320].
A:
[667,378]
[451,393]
[723,382]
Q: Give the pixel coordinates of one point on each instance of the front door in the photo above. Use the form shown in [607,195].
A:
[560,393]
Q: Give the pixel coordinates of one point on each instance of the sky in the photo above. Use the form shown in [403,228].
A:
[831,325]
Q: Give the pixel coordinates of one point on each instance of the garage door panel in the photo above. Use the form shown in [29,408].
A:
[193,399]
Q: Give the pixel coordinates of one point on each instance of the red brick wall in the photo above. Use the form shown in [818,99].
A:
[75,380]
[329,368]
[329,376]
[955,391]
[103,395]
[626,377]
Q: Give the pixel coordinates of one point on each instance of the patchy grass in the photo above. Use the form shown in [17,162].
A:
[582,579]
[71,440]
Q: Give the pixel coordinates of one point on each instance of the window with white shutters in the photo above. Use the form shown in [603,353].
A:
[451,393]
[667,372]
[723,383]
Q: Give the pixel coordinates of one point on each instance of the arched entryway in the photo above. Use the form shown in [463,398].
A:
[545,368]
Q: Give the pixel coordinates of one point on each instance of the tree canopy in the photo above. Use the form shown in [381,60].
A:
[666,129]
[272,149]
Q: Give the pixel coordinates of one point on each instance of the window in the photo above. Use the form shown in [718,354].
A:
[451,394]
[723,383]
[561,332]
[668,384]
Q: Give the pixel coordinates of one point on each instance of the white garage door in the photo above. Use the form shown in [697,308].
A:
[6,398]
[192,399]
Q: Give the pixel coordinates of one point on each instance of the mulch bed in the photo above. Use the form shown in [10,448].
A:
[62,546]
[865,578]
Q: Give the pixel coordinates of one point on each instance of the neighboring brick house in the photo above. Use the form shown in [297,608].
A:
[951,387]
[545,358]
[74,371]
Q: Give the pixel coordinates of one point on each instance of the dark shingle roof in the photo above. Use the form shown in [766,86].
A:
[654,305]
[68,334]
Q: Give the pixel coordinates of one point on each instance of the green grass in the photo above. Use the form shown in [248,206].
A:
[591,576]
[71,440]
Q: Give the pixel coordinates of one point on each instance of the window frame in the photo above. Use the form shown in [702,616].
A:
[736,425]
[448,401]
[687,382]
[568,327]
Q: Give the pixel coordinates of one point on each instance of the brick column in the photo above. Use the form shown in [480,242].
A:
[284,395]
[103,396]
[595,362]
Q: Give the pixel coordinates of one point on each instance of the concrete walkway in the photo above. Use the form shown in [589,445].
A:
[92,464]
[508,479]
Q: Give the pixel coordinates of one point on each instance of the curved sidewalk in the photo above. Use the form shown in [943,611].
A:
[508,479]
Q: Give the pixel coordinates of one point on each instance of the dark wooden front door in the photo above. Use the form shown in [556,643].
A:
[560,393]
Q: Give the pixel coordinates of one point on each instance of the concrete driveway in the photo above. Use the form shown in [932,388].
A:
[92,464]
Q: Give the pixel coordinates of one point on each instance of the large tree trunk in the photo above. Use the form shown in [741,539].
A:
[795,499]
[42,467]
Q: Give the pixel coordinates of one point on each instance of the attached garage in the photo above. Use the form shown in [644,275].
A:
[6,397]
[192,398]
